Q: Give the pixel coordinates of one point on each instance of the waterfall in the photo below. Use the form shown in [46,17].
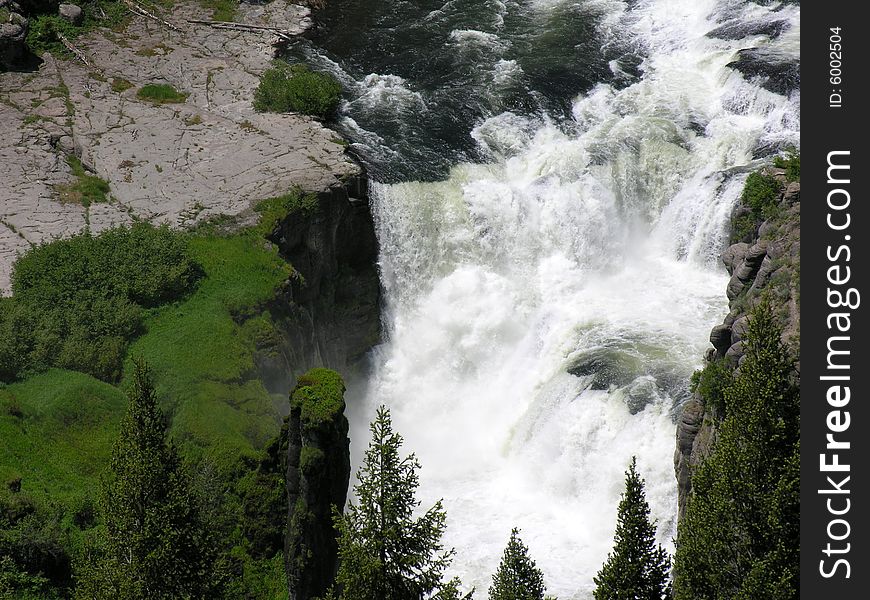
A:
[546,304]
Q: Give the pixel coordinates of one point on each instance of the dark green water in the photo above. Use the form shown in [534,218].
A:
[420,76]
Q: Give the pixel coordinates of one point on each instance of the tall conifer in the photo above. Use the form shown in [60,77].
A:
[517,578]
[156,545]
[386,553]
[637,568]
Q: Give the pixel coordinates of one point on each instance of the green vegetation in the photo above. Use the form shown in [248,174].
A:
[156,542]
[77,303]
[274,210]
[202,350]
[517,578]
[43,31]
[638,567]
[760,193]
[295,88]
[88,189]
[57,429]
[194,305]
[46,25]
[761,196]
[161,93]
[222,10]
[740,534]
[319,395]
[119,84]
[386,553]
[791,162]
[711,382]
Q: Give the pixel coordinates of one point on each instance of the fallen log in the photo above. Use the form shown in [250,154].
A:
[78,53]
[136,9]
[281,33]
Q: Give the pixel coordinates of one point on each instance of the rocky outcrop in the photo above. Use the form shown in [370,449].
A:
[328,313]
[318,473]
[766,264]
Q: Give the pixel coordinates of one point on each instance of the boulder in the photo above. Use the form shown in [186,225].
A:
[738,331]
[746,271]
[71,13]
[764,272]
[766,229]
[734,255]
[735,287]
[792,192]
[13,32]
[734,354]
[720,337]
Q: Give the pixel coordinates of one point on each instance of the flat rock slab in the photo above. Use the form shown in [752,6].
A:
[165,163]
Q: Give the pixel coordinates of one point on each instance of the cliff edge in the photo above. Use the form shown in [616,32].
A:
[180,160]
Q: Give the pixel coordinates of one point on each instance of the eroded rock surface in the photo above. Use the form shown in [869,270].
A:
[166,163]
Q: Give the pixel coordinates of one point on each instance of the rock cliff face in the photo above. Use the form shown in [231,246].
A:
[765,262]
[318,472]
[328,314]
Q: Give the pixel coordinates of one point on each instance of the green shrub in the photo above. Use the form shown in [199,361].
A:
[78,302]
[46,24]
[42,34]
[711,383]
[286,88]
[760,191]
[161,93]
[274,210]
[743,227]
[761,195]
[791,162]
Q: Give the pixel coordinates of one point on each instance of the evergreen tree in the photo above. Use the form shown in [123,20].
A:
[517,577]
[155,545]
[386,553]
[637,569]
[740,534]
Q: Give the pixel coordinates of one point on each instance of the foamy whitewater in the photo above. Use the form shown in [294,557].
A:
[545,310]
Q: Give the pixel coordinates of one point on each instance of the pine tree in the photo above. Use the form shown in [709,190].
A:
[386,553]
[740,536]
[156,545]
[637,569]
[517,577]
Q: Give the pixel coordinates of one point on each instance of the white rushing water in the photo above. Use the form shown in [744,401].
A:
[586,247]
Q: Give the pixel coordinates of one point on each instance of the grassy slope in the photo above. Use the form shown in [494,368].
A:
[201,352]
[62,439]
[202,357]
